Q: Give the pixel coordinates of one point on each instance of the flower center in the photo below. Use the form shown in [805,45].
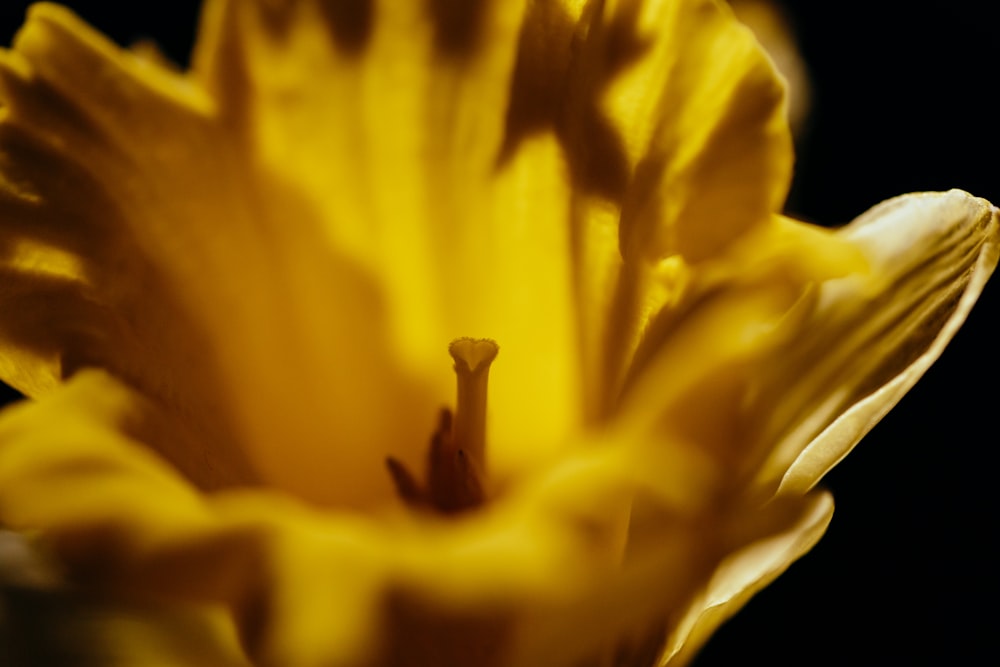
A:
[456,459]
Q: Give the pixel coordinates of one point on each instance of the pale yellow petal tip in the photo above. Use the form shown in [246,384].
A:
[473,354]
[930,255]
[905,228]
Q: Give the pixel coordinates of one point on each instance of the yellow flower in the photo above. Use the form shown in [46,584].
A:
[232,291]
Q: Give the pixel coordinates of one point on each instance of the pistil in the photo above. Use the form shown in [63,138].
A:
[456,460]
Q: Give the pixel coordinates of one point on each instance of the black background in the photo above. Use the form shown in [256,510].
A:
[908,571]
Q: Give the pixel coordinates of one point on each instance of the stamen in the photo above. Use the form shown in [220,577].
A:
[456,460]
[472,367]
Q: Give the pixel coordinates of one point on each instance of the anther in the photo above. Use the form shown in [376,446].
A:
[456,460]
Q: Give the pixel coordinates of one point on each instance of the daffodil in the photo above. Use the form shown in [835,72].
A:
[233,290]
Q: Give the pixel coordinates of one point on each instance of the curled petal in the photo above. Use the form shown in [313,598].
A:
[789,348]
[872,335]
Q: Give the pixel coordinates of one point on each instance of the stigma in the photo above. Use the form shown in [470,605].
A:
[455,477]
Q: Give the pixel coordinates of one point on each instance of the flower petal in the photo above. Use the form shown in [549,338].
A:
[632,614]
[462,245]
[66,627]
[333,589]
[696,119]
[866,310]
[82,284]
[252,138]
[716,152]
[303,589]
[871,335]
[134,528]
[692,373]
[180,238]
[741,576]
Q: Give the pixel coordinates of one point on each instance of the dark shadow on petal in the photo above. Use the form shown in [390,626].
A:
[457,24]
[642,650]
[623,45]
[349,21]
[562,70]
[277,15]
[421,633]
[644,193]
[50,200]
[66,627]
[540,74]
